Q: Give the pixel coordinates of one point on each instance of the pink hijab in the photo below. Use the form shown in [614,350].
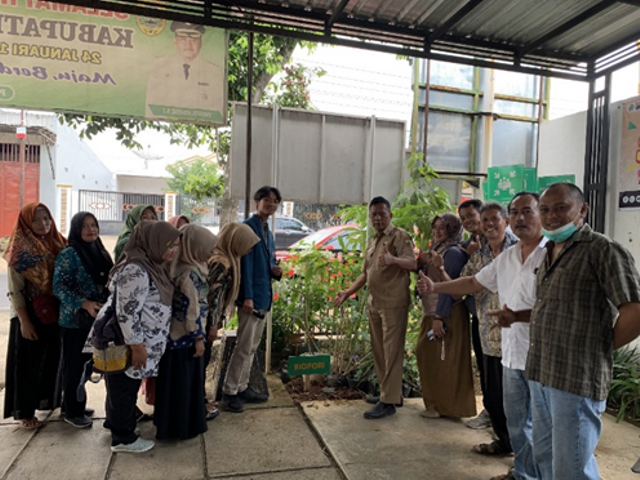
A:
[174,220]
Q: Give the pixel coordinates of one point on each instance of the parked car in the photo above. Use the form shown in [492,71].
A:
[326,239]
[287,231]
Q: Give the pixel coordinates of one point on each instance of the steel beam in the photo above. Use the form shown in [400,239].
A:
[451,22]
[334,16]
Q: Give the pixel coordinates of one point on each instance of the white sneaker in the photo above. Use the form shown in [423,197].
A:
[139,446]
[481,421]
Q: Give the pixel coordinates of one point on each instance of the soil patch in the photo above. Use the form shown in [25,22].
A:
[320,391]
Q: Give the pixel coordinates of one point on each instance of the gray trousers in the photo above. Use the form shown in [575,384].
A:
[249,333]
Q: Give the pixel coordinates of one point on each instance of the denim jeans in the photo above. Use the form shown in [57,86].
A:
[565,434]
[517,408]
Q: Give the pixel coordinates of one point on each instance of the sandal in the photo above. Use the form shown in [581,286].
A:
[491,449]
[211,414]
[29,423]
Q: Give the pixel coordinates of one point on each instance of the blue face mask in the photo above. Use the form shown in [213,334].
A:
[561,234]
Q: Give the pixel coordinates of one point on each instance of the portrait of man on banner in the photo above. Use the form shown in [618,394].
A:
[183,81]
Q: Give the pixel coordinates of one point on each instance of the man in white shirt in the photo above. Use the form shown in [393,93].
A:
[513,275]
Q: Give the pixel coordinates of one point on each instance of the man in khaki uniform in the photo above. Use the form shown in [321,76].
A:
[389,259]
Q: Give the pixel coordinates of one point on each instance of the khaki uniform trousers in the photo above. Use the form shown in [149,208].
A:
[249,333]
[388,327]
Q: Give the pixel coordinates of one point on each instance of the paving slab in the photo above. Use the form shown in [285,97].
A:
[58,451]
[179,460]
[618,449]
[404,445]
[13,440]
[306,474]
[408,446]
[269,439]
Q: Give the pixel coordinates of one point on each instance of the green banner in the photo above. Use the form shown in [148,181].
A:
[504,182]
[544,182]
[530,179]
[309,364]
[77,59]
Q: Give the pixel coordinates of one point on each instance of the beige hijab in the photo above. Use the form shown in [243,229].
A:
[195,248]
[146,246]
[234,241]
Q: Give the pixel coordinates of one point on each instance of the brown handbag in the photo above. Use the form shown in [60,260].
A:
[46,308]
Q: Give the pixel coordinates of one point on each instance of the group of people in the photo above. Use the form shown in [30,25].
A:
[172,287]
[550,300]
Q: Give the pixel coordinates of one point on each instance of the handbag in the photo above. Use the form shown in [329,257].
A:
[110,353]
[83,319]
[112,359]
[46,308]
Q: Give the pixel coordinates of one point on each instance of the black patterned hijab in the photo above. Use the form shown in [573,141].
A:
[94,257]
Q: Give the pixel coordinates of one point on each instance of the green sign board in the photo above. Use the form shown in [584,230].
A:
[544,182]
[309,365]
[87,60]
[530,180]
[504,182]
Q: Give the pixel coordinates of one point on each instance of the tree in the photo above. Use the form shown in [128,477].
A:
[293,88]
[271,54]
[200,179]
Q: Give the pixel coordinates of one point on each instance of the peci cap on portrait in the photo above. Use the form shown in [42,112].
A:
[184,27]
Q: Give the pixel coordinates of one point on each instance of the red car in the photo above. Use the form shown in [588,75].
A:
[325,239]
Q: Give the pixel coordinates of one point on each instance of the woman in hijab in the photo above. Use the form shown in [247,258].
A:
[443,349]
[80,283]
[33,352]
[179,220]
[179,407]
[139,213]
[142,286]
[234,241]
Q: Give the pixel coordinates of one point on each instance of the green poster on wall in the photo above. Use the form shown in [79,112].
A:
[530,180]
[544,182]
[504,182]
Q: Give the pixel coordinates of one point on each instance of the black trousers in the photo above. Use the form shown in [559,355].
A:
[477,351]
[32,370]
[493,400]
[73,360]
[122,393]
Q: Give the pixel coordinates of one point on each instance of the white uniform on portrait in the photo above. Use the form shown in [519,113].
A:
[173,82]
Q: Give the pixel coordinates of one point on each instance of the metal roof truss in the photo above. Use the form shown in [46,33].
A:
[560,38]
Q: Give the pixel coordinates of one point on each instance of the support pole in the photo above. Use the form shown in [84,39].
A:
[247,189]
[22,175]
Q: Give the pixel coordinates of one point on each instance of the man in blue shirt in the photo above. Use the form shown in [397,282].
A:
[258,268]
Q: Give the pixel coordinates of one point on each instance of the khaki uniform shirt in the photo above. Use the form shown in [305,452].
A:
[578,296]
[388,285]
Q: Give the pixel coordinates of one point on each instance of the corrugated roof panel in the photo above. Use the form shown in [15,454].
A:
[595,34]
[493,29]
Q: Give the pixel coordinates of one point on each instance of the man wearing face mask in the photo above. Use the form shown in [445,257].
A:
[585,282]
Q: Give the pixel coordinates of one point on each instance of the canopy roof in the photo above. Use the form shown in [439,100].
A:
[579,39]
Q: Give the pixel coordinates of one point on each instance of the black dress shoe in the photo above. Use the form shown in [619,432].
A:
[89,412]
[380,410]
[231,403]
[373,399]
[249,395]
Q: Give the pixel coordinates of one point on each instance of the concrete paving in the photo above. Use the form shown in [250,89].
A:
[278,441]
[407,446]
